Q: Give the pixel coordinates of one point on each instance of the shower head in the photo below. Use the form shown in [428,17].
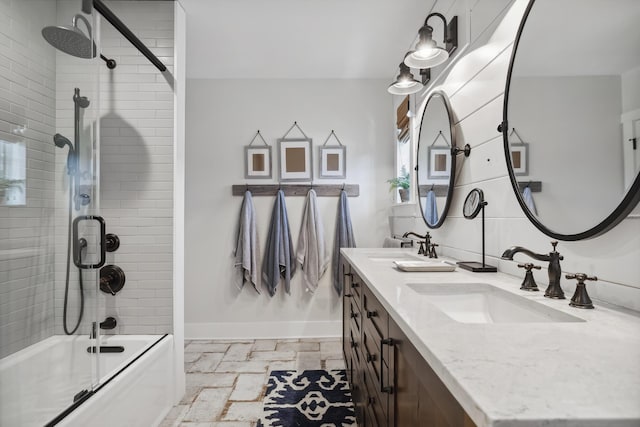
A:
[70,39]
[82,101]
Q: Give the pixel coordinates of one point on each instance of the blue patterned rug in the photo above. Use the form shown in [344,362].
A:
[309,399]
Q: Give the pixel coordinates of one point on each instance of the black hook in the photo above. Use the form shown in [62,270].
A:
[431,187]
[343,186]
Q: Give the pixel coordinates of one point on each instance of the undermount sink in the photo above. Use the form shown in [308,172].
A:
[483,303]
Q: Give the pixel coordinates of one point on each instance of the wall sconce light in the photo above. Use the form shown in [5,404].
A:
[405,83]
[427,53]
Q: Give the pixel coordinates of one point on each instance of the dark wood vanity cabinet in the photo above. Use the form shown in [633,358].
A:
[391,383]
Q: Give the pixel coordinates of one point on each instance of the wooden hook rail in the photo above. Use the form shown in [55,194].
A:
[535,186]
[322,190]
[440,190]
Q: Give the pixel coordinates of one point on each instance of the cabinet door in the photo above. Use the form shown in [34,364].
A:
[406,383]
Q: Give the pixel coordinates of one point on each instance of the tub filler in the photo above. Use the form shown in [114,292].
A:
[135,386]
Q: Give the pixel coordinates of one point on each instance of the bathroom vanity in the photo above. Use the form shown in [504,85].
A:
[461,349]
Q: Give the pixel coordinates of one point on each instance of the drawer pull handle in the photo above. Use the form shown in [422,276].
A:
[372,400]
[348,295]
[371,314]
[353,315]
[371,357]
[355,285]
[348,274]
[353,344]
[390,342]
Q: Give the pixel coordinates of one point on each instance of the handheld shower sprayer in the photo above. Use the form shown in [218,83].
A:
[61,142]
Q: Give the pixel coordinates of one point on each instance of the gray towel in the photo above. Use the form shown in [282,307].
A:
[279,259]
[247,250]
[312,253]
[343,239]
[431,208]
[528,200]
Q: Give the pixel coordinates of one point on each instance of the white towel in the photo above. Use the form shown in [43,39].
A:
[528,200]
[312,253]
[247,250]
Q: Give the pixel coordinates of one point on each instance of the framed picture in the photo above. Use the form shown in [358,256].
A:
[295,159]
[439,163]
[520,158]
[333,161]
[257,162]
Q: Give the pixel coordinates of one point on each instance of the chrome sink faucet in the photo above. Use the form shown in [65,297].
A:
[553,290]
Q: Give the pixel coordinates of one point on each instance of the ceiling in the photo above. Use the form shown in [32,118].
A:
[306,39]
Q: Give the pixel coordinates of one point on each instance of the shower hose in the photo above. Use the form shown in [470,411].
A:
[66,284]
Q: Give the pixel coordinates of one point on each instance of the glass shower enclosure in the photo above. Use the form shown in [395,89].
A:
[57,287]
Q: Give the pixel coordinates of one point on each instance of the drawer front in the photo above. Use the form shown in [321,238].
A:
[376,414]
[359,398]
[355,345]
[375,368]
[355,317]
[375,317]
[356,285]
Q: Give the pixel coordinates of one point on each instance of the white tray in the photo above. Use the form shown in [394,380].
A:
[425,265]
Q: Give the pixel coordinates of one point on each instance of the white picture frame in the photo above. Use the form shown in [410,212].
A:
[295,159]
[439,163]
[258,162]
[333,161]
[520,158]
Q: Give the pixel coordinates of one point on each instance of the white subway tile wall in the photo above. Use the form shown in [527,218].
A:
[27,116]
[136,164]
[135,102]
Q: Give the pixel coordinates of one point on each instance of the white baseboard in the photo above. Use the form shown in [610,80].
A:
[253,330]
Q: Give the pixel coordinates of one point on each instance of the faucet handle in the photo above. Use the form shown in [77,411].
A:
[529,266]
[529,283]
[432,250]
[580,297]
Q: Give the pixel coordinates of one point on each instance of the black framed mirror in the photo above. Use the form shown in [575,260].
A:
[436,165]
[571,119]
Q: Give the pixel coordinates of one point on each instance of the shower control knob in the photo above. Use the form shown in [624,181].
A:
[112,242]
[112,279]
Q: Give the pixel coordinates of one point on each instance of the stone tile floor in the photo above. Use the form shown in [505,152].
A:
[226,380]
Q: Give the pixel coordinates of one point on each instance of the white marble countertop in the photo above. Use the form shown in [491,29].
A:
[582,374]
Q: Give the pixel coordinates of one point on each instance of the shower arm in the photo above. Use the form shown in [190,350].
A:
[87,7]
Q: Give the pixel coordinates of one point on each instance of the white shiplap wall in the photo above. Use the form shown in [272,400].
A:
[27,115]
[475,85]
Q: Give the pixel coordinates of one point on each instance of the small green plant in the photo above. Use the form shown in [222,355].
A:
[8,183]
[400,182]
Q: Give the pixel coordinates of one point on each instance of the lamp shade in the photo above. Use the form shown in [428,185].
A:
[427,54]
[426,58]
[405,83]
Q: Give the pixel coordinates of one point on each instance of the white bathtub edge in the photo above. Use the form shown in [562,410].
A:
[142,395]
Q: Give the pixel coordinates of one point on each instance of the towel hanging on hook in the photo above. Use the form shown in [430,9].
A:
[440,134]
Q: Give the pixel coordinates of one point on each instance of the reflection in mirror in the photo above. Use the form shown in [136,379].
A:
[436,165]
[572,114]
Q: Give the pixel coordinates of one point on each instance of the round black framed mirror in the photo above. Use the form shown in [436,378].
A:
[571,123]
[435,164]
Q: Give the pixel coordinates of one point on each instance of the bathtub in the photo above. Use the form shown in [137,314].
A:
[38,383]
